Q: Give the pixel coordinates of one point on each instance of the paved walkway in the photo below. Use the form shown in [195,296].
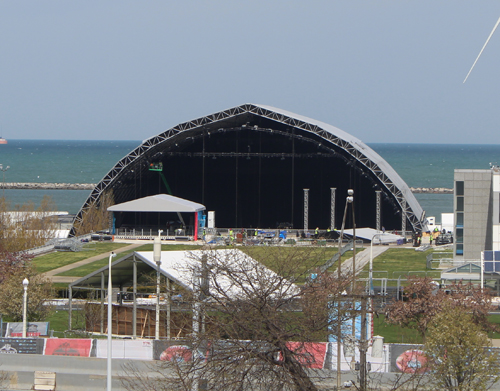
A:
[66,279]
[362,258]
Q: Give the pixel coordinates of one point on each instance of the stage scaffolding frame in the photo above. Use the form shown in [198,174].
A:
[359,154]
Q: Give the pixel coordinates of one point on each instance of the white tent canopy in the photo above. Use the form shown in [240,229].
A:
[232,271]
[230,274]
[158,203]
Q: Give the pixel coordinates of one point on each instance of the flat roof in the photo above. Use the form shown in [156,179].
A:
[369,233]
[158,203]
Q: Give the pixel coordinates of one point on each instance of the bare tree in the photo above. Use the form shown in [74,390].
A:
[253,327]
[25,226]
[10,261]
[95,216]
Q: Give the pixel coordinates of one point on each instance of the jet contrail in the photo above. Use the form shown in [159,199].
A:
[486,43]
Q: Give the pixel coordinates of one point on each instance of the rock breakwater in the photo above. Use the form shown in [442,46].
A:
[90,186]
[431,190]
[48,186]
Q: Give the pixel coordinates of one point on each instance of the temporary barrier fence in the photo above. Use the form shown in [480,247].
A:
[321,355]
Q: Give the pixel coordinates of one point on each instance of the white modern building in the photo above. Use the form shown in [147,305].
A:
[476,206]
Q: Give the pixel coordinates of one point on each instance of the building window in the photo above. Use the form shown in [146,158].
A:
[459,249]
[459,188]
[460,235]
[460,204]
[460,220]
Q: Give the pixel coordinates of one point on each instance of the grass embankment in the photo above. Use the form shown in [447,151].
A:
[90,267]
[304,259]
[401,262]
[57,259]
[311,256]
[54,260]
[397,334]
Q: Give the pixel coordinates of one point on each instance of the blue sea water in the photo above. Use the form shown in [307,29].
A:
[432,165]
[59,161]
[87,161]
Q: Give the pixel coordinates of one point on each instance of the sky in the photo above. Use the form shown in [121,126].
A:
[383,71]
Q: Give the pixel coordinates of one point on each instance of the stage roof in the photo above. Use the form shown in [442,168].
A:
[158,203]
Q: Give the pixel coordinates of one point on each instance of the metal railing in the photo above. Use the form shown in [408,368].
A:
[48,247]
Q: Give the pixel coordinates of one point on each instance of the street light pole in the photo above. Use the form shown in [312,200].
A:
[157,259]
[350,199]
[110,294]
[25,305]
[339,325]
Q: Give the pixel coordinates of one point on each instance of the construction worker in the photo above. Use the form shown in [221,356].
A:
[316,232]
[231,235]
[430,238]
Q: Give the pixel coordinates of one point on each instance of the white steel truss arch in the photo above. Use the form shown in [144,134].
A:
[333,137]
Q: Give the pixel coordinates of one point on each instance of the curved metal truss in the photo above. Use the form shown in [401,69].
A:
[357,151]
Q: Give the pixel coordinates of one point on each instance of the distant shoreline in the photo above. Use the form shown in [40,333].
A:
[48,186]
[431,190]
[91,186]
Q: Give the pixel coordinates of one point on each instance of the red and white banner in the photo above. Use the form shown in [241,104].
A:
[309,354]
[67,347]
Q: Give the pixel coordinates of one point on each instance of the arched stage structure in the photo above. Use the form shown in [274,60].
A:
[251,163]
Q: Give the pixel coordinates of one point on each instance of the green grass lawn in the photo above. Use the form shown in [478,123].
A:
[89,268]
[51,261]
[397,334]
[58,322]
[310,258]
[393,333]
[400,262]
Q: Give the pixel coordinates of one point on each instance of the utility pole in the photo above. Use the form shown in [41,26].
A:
[363,346]
[157,259]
